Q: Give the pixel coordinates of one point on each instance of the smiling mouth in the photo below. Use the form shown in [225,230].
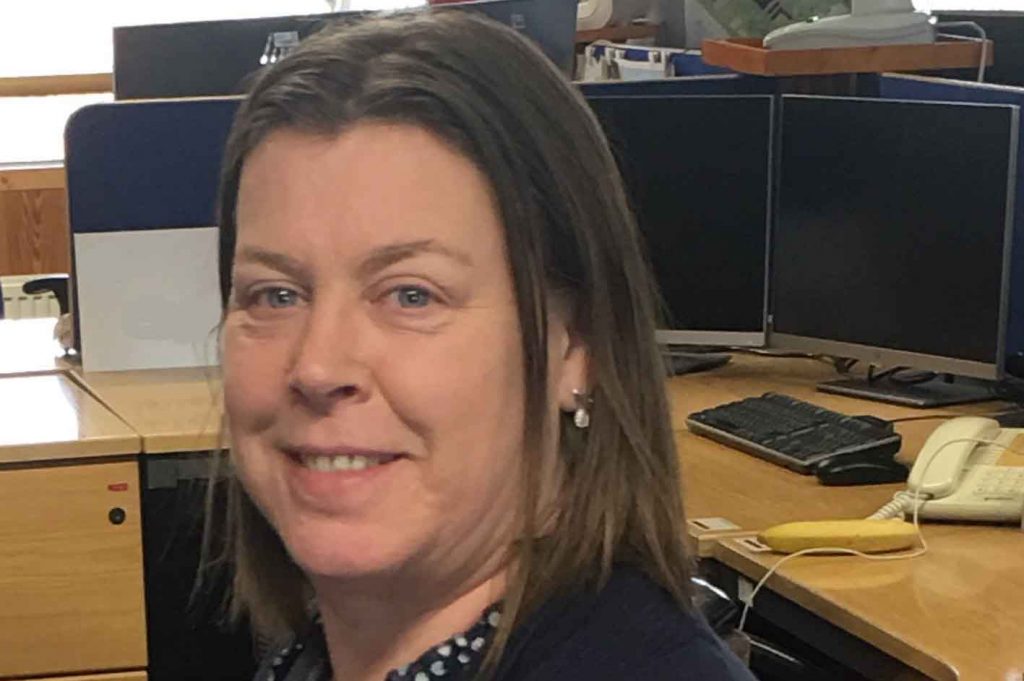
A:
[329,463]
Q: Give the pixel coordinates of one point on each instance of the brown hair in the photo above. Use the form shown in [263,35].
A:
[568,232]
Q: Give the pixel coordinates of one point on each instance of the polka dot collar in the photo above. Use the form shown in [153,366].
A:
[457,659]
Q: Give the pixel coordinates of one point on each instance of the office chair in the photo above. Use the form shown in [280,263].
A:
[56,284]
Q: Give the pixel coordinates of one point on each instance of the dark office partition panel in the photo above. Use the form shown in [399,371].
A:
[216,57]
[199,58]
[916,88]
[1006,30]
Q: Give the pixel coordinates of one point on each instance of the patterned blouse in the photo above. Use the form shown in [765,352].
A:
[456,659]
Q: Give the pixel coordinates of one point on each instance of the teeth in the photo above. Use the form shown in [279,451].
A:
[326,464]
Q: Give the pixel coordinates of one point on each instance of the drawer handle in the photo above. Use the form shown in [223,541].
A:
[116,515]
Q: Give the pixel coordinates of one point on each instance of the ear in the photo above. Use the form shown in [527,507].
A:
[569,365]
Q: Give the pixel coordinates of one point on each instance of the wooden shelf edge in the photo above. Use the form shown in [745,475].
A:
[747,56]
[618,33]
[72,84]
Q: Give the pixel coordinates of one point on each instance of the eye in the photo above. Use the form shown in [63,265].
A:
[274,297]
[412,297]
[280,297]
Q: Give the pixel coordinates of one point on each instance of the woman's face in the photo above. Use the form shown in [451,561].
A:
[372,358]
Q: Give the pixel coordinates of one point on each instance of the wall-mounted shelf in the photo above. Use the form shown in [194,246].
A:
[747,55]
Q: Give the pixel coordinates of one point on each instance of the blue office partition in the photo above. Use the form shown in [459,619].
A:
[142,187]
[691,63]
[136,165]
[720,84]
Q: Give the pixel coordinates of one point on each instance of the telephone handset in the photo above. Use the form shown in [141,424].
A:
[961,477]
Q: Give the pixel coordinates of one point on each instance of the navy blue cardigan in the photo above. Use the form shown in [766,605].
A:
[631,630]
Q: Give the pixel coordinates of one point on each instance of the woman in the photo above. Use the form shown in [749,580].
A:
[450,441]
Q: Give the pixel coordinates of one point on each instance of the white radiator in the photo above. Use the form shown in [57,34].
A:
[19,305]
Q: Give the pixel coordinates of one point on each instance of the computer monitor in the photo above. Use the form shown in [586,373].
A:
[209,58]
[893,237]
[907,86]
[698,173]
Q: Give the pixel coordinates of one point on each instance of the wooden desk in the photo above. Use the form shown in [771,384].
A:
[71,549]
[173,410]
[952,614]
[27,347]
[177,413]
[722,482]
[51,418]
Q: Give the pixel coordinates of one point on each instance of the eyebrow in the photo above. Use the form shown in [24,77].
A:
[277,261]
[378,260]
[386,256]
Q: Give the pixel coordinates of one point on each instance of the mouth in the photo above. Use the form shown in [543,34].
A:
[339,459]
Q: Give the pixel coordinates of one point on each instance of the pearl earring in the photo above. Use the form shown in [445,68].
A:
[581,417]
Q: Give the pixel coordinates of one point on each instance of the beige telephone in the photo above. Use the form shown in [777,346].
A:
[959,476]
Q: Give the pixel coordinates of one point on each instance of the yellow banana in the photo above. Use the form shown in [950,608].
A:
[869,536]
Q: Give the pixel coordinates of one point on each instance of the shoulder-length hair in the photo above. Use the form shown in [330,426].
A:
[569,235]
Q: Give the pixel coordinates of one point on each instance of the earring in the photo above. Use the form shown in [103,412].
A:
[581,417]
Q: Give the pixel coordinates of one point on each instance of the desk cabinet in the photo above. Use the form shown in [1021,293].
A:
[71,571]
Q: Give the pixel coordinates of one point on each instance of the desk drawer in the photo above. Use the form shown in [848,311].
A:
[71,570]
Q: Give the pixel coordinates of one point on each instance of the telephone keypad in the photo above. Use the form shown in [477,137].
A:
[1004,482]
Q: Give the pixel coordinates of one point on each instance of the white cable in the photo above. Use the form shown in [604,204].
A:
[824,550]
[894,508]
[899,504]
[983,39]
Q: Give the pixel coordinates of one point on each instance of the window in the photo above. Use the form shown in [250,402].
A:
[978,5]
[32,128]
[36,43]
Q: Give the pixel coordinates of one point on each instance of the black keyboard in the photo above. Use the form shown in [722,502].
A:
[794,433]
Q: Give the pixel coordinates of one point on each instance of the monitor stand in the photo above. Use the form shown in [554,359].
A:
[678,362]
[937,392]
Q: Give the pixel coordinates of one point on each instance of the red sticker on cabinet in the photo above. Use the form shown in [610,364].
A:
[118,487]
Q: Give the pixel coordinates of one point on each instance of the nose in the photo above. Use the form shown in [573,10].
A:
[328,367]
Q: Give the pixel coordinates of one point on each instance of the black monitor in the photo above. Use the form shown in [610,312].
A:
[698,173]
[210,58]
[892,241]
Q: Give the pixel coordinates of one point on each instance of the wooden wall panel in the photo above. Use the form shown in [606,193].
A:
[34,234]
[117,676]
